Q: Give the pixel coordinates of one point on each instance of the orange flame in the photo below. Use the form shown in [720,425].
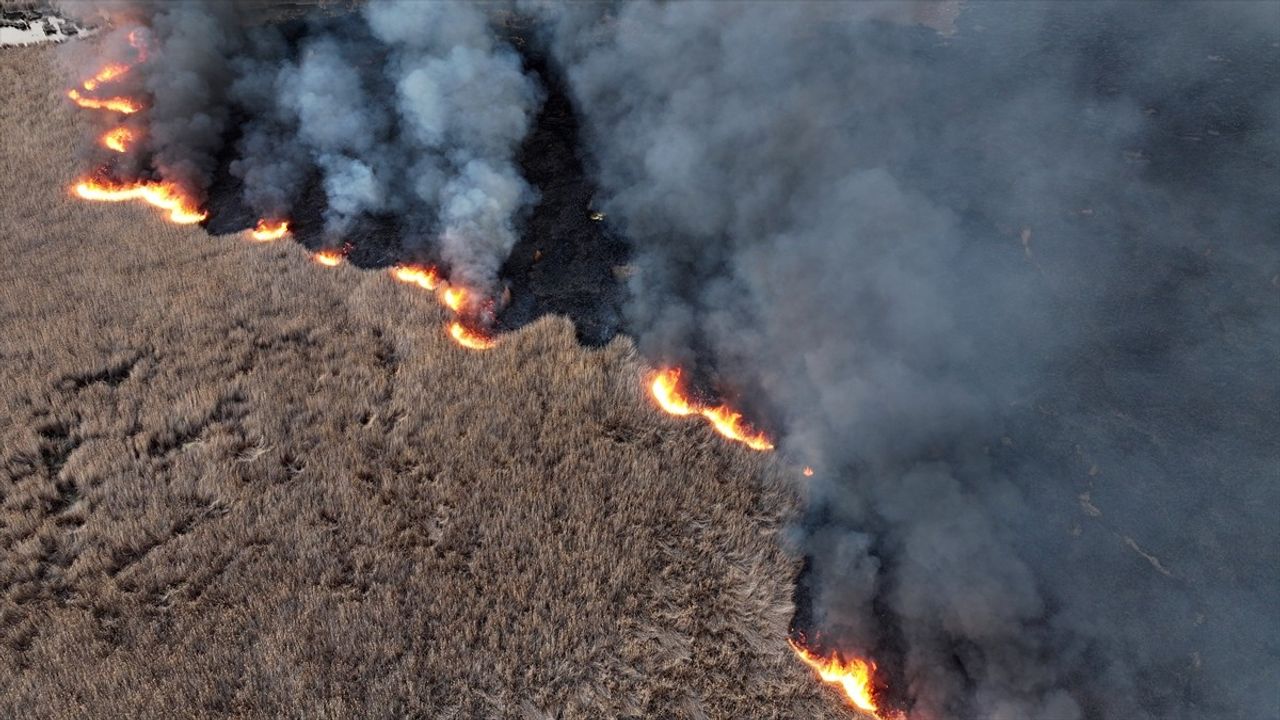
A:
[808,471]
[117,139]
[328,258]
[425,277]
[164,195]
[268,230]
[106,74]
[454,298]
[854,676]
[122,105]
[470,338]
[665,388]
[666,391]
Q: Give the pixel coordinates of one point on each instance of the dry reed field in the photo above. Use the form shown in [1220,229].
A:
[236,483]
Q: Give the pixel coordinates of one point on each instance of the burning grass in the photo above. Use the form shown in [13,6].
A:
[237,482]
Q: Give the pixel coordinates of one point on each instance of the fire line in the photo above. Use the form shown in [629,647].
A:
[854,676]
[268,230]
[166,196]
[665,389]
[328,258]
[470,339]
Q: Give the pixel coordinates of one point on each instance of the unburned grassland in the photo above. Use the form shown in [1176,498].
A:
[235,482]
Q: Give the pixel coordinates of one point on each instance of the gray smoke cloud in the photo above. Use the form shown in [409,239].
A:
[466,104]
[1009,283]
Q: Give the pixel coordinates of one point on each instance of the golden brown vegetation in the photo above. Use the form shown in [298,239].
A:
[234,482]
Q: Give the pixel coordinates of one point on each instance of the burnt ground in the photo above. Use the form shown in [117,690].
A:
[564,262]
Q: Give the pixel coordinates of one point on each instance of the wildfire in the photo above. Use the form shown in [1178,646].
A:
[117,139]
[854,676]
[328,258]
[469,338]
[122,105]
[268,230]
[665,388]
[427,278]
[808,471]
[164,195]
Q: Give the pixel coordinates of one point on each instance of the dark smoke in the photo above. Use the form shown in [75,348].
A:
[1012,288]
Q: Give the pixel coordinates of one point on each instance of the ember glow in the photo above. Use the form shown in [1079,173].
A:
[123,105]
[117,139]
[470,338]
[427,278]
[268,230]
[854,676]
[328,258]
[665,388]
[166,196]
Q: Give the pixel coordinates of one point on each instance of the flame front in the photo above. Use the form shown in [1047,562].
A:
[328,258]
[469,338]
[665,388]
[427,278]
[117,139]
[166,196]
[731,425]
[666,391]
[117,104]
[854,676]
[124,105]
[268,230]
[454,298]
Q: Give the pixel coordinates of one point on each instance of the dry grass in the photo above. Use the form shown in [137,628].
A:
[235,482]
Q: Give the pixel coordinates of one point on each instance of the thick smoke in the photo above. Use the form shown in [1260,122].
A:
[465,104]
[186,73]
[1011,290]
[404,109]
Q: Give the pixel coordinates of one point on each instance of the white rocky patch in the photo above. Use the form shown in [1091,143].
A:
[27,27]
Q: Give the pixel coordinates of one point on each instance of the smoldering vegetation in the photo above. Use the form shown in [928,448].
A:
[1009,283]
[235,483]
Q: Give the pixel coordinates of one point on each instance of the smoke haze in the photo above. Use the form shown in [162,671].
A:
[1005,275]
[1012,291]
